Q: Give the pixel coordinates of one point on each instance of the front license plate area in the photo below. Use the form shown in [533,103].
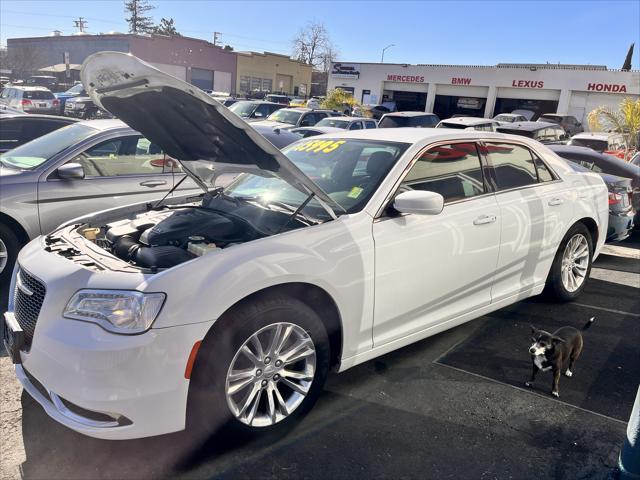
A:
[13,337]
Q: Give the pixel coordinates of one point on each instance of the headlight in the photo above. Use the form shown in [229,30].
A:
[80,106]
[118,311]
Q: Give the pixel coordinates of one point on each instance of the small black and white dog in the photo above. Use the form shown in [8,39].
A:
[550,351]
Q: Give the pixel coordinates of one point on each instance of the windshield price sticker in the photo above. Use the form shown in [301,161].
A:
[317,146]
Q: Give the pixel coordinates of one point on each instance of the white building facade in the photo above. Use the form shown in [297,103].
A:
[485,91]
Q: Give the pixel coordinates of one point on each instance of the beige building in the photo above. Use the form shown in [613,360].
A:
[272,72]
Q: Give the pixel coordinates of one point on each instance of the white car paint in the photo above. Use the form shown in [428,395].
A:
[394,280]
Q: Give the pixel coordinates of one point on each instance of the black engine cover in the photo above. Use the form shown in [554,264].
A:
[177,228]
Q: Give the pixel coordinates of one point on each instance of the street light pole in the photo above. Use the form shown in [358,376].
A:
[384,50]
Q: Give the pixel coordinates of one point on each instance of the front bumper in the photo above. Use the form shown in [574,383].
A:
[95,382]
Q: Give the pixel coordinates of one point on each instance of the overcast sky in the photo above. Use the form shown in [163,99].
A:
[475,33]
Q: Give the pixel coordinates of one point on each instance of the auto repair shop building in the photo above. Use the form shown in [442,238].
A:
[485,91]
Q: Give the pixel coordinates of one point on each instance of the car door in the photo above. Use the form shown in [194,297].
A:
[433,268]
[535,209]
[118,171]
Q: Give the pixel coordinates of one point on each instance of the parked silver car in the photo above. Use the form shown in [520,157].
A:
[30,99]
[78,169]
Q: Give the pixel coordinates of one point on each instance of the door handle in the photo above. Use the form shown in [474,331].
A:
[483,219]
[152,183]
[555,201]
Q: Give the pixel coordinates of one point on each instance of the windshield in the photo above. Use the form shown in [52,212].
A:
[348,170]
[332,122]
[597,145]
[504,118]
[76,90]
[36,152]
[243,109]
[459,126]
[285,116]
[550,119]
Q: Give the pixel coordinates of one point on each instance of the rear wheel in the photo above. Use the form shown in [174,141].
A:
[572,264]
[259,370]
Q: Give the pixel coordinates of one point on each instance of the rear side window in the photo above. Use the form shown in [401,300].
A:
[513,165]
[370,124]
[454,171]
[10,133]
[39,95]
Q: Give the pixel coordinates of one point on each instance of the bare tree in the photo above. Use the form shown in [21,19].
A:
[312,45]
[138,21]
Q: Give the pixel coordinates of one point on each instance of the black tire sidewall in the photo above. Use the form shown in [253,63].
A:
[556,287]
[208,413]
[12,244]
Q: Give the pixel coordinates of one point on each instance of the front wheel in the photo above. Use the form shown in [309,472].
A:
[572,264]
[260,369]
[9,248]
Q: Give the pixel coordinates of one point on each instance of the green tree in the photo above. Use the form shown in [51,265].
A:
[166,27]
[339,100]
[138,21]
[625,120]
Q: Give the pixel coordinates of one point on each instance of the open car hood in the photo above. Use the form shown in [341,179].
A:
[184,121]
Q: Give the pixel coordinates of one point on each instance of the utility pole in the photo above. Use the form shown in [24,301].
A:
[216,36]
[80,24]
[384,50]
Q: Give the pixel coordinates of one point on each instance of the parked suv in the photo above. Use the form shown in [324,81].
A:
[603,142]
[31,99]
[83,107]
[252,110]
[348,123]
[288,118]
[408,119]
[568,122]
[470,123]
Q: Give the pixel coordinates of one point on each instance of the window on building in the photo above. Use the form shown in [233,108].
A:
[245,83]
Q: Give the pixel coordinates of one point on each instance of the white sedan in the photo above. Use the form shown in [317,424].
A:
[229,309]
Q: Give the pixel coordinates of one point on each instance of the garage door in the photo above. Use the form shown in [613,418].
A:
[529,93]
[462,91]
[406,87]
[222,81]
[577,107]
[173,70]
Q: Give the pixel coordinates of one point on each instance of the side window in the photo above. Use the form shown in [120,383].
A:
[122,156]
[356,126]
[454,171]
[10,134]
[370,124]
[544,174]
[513,165]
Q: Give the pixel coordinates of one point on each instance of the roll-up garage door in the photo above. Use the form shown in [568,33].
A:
[462,91]
[222,81]
[173,70]
[528,93]
[406,87]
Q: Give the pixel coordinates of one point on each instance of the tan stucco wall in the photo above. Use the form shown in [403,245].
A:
[268,65]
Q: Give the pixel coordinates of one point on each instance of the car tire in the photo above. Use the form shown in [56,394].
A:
[212,409]
[572,265]
[9,247]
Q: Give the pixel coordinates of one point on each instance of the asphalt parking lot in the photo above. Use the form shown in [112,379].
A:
[451,406]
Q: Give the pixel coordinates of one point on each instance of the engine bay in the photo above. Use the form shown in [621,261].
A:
[162,238]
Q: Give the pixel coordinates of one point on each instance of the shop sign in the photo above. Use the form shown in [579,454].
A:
[405,78]
[460,81]
[345,70]
[527,83]
[607,87]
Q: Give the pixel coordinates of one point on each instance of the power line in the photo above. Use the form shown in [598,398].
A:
[80,24]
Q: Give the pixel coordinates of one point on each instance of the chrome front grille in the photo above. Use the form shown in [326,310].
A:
[27,302]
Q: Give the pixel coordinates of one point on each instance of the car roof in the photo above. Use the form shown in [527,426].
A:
[24,87]
[261,102]
[347,119]
[408,114]
[38,116]
[509,115]
[530,126]
[417,135]
[555,115]
[596,135]
[105,124]
[468,120]
[318,129]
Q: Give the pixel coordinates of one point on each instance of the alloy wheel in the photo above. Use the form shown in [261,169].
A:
[575,262]
[4,256]
[270,374]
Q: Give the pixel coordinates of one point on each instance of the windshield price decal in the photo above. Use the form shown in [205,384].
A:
[317,146]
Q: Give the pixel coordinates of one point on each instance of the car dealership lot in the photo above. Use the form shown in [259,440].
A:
[411,413]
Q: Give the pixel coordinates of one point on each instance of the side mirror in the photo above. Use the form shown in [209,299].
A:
[71,171]
[305,123]
[419,202]
[258,114]
[578,124]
